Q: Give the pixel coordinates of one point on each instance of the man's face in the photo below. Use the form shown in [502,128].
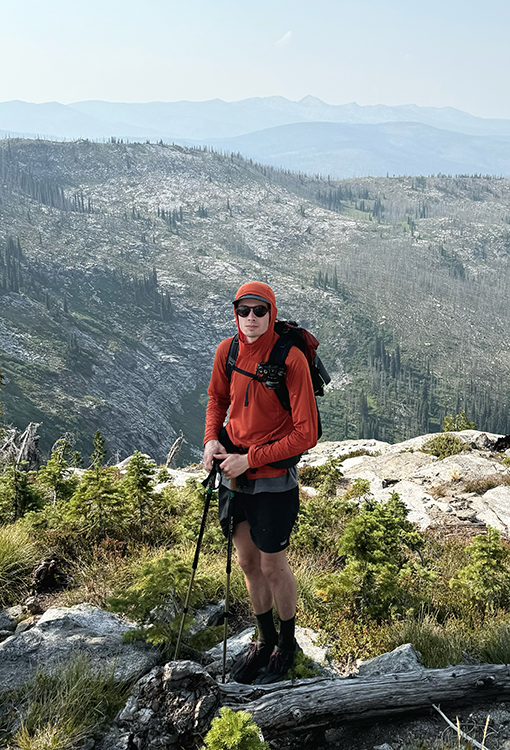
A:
[251,326]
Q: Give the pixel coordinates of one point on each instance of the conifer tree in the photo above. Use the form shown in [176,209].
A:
[138,486]
[485,581]
[99,505]
[374,543]
[18,494]
[56,475]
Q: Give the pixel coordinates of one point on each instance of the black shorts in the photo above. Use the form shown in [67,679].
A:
[270,515]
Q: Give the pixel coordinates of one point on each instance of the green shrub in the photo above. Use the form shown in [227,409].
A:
[358,491]
[188,510]
[62,710]
[374,542]
[444,445]
[18,556]
[320,523]
[162,581]
[234,730]
[485,582]
[163,475]
[457,423]
[155,599]
[99,506]
[303,669]
[324,478]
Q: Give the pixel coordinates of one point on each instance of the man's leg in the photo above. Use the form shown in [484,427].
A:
[249,664]
[249,558]
[280,578]
[268,576]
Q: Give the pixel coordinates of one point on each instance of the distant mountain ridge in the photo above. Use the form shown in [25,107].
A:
[308,135]
[220,119]
[344,150]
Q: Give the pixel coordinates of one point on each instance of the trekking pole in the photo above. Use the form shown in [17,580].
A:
[226,613]
[209,482]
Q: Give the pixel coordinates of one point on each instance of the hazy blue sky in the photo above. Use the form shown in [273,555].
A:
[432,53]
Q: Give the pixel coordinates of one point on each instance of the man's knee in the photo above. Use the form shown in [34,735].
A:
[249,562]
[274,566]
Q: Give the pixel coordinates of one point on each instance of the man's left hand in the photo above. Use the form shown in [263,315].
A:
[233,464]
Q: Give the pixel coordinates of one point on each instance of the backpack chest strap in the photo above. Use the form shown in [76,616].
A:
[252,376]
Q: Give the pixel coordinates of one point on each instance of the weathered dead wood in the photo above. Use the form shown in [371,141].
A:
[21,447]
[311,704]
[174,450]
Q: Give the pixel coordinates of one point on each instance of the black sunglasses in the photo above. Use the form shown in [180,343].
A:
[259,310]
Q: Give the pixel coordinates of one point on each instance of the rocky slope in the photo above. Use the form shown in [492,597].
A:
[120,261]
[464,492]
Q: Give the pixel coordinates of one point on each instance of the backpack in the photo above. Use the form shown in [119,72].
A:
[272,372]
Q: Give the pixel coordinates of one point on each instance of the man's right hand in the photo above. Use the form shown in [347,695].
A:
[211,448]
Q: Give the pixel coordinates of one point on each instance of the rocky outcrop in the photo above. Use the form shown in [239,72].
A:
[404,658]
[433,489]
[63,632]
[437,492]
[172,706]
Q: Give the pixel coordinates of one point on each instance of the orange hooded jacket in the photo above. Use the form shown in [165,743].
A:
[264,427]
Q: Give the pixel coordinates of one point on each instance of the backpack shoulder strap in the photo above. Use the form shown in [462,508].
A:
[232,355]
[280,350]
[277,357]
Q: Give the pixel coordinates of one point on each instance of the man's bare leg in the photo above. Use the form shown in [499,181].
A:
[277,572]
[248,556]
[268,576]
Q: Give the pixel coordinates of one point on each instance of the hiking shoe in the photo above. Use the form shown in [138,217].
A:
[247,666]
[279,664]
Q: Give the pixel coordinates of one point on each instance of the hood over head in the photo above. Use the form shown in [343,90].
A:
[257,290]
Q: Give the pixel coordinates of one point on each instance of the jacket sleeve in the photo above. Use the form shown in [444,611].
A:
[218,392]
[303,413]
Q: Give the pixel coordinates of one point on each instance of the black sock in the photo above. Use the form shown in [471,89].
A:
[286,638]
[267,631]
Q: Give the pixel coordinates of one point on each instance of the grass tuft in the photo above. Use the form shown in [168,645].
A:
[18,555]
[60,711]
[438,644]
[483,484]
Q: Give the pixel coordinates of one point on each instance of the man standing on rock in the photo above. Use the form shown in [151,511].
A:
[259,437]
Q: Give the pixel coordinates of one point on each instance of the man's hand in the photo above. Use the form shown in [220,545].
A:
[212,449]
[233,464]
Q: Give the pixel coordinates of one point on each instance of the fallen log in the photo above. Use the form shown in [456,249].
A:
[312,704]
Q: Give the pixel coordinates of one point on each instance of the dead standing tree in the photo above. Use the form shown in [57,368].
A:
[174,450]
[21,447]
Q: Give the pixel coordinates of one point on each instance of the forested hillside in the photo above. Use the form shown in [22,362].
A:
[118,263]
